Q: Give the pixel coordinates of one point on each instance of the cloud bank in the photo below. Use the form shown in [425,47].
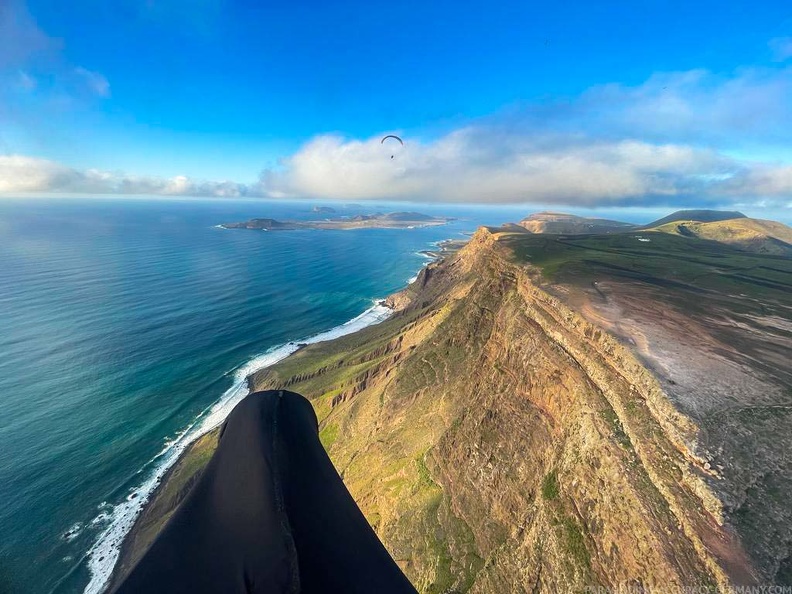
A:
[669,141]
[781,48]
[470,165]
[481,165]
[22,174]
[665,141]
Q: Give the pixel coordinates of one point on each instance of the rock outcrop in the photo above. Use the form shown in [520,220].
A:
[499,438]
[499,442]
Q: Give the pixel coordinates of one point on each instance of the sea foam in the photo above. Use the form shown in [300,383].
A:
[103,555]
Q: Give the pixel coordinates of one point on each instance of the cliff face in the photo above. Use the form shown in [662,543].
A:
[499,442]
[500,439]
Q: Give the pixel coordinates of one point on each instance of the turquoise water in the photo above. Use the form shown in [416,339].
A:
[122,321]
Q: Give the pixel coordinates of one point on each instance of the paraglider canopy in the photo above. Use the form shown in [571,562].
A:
[384,138]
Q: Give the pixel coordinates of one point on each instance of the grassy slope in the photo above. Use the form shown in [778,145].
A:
[710,282]
[703,216]
[175,486]
[447,475]
[665,260]
[768,237]
[493,440]
[550,222]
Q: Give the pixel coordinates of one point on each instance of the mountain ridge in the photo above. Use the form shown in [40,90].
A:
[730,228]
[533,417]
[700,215]
[754,235]
[558,222]
[464,297]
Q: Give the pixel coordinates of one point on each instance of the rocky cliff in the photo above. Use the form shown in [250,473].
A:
[499,442]
[500,439]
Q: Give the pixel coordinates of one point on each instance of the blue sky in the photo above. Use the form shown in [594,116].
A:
[637,102]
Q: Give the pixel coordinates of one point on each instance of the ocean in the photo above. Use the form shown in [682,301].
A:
[127,327]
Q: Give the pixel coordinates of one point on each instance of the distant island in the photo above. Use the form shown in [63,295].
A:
[324,209]
[391,220]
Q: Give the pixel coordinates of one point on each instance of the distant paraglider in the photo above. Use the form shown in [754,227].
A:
[384,138]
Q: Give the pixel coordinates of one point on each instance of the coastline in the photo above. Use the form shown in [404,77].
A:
[226,227]
[104,555]
[625,407]
[444,247]
[111,553]
[399,220]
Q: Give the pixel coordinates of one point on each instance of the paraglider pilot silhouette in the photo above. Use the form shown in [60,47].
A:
[384,138]
[268,515]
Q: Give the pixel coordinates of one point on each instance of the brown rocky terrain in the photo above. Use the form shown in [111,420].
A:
[731,228]
[558,222]
[505,433]
[753,235]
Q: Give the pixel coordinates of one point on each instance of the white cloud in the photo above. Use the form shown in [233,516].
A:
[95,82]
[22,40]
[659,142]
[21,174]
[28,174]
[750,105]
[26,82]
[32,64]
[763,181]
[615,144]
[469,165]
[781,48]
[485,165]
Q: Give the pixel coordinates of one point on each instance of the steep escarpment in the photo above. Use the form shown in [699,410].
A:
[713,324]
[497,441]
[516,427]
